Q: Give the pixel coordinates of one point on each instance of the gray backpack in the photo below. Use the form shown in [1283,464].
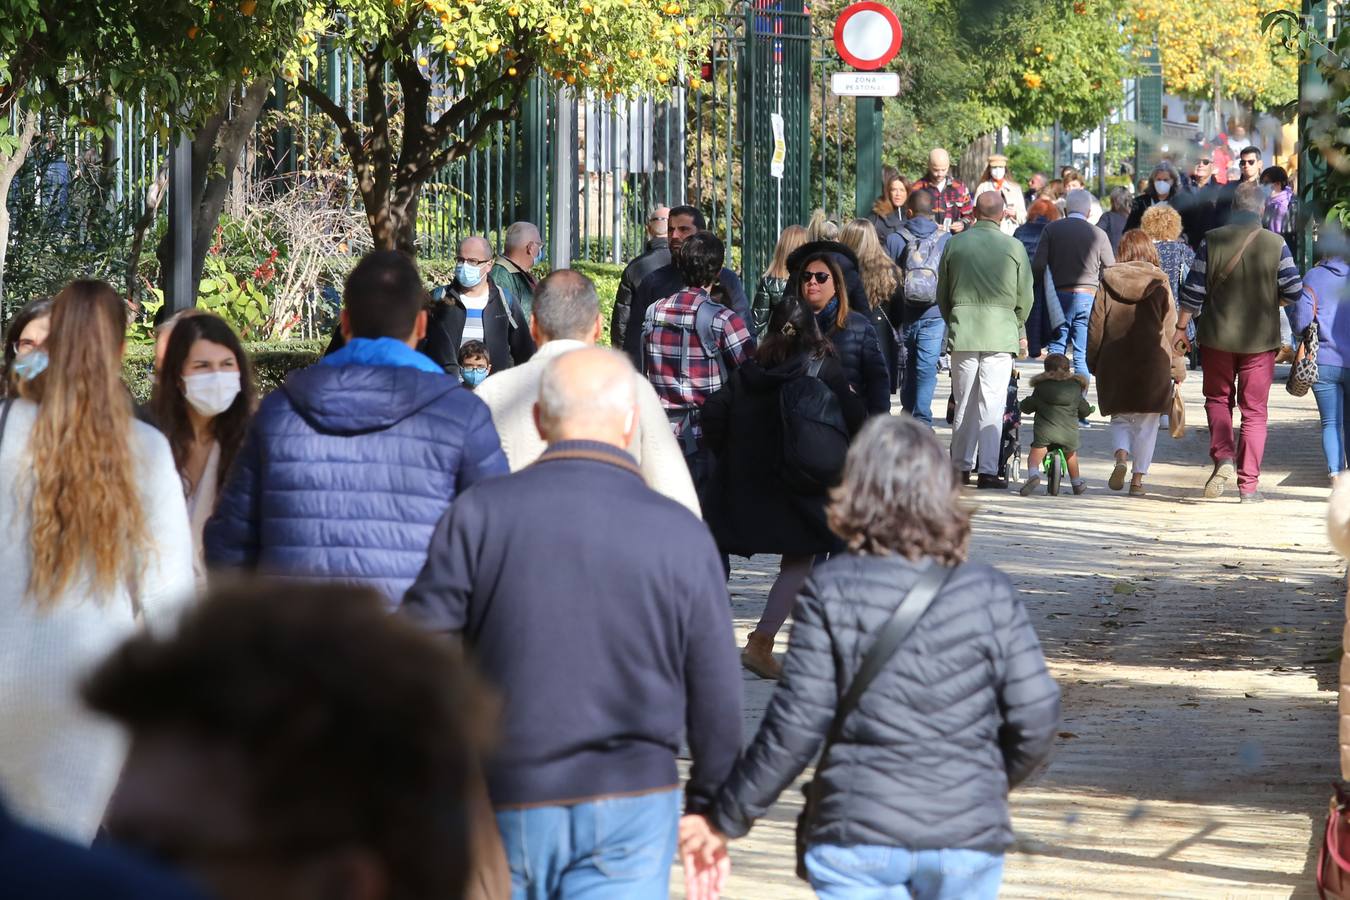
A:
[921,268]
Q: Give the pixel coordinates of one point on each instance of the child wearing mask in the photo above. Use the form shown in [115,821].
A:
[475,365]
[1058,401]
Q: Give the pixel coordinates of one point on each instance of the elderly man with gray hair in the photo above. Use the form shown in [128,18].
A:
[567,317]
[522,250]
[604,657]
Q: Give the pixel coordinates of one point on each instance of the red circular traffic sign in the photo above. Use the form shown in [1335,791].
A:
[867,35]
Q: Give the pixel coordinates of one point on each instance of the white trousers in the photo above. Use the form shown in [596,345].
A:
[1136,434]
[980,386]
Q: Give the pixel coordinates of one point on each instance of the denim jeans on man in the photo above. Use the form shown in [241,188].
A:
[1077,307]
[866,872]
[1330,389]
[619,848]
[923,346]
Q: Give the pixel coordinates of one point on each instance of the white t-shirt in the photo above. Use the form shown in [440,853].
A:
[473,319]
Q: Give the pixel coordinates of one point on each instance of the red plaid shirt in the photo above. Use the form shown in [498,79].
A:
[952,202]
[681,383]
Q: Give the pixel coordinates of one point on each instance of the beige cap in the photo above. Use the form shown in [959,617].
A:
[998,159]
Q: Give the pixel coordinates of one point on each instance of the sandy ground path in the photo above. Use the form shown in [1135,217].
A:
[1194,642]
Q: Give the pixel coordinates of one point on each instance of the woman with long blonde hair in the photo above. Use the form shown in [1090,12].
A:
[774,282]
[881,281]
[97,542]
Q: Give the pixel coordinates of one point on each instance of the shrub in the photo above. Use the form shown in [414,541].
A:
[606,277]
[272,362]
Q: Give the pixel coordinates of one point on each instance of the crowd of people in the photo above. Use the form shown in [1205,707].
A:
[438,616]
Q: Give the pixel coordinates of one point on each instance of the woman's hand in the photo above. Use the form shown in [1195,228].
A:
[706,862]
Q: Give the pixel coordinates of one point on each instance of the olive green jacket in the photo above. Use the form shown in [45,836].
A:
[984,290]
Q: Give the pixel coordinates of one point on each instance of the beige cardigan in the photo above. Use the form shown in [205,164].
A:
[511,394]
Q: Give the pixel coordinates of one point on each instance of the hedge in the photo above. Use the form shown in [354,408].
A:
[606,277]
[271,364]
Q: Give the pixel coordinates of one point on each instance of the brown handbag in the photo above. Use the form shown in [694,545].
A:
[1176,419]
[1333,859]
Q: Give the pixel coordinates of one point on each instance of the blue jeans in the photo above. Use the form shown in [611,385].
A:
[1330,390]
[890,873]
[1077,311]
[923,345]
[613,849]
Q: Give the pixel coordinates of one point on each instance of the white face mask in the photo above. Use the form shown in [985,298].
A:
[211,393]
[1162,187]
[996,173]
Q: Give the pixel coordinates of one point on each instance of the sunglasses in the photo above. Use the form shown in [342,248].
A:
[818,277]
[1205,162]
[1248,162]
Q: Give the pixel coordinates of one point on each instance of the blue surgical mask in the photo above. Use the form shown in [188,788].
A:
[30,365]
[475,376]
[539,257]
[468,274]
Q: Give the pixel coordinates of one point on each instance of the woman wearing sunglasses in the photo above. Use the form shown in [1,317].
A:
[851,332]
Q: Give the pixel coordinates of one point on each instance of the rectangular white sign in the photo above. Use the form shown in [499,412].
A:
[865,84]
[779,146]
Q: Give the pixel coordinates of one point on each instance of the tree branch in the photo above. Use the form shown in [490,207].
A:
[351,137]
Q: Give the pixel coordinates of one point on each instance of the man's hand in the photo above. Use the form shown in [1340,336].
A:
[706,862]
[1022,352]
[1180,343]
[958,226]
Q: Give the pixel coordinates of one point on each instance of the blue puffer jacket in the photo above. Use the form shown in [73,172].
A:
[859,352]
[349,466]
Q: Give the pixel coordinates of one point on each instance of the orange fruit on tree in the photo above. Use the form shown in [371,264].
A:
[248,7]
[192,32]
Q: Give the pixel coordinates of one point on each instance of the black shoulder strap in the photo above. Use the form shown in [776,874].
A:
[813,370]
[892,635]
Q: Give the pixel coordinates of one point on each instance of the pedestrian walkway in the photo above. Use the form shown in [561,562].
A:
[1196,645]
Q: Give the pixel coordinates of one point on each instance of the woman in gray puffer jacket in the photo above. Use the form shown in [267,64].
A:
[915,792]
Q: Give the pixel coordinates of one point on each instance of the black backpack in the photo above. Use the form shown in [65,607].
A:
[815,435]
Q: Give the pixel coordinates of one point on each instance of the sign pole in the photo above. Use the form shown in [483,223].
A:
[868,165]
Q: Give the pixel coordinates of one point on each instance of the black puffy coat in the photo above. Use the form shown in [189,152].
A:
[752,509]
[844,257]
[963,711]
[859,350]
[656,256]
[506,331]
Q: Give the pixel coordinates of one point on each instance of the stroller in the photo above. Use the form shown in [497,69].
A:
[1010,443]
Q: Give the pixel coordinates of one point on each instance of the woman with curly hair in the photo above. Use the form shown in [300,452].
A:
[1162,224]
[912,792]
[98,545]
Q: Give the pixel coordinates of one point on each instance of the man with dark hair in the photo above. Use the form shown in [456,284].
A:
[1241,277]
[918,248]
[297,741]
[475,308]
[607,660]
[691,344]
[656,255]
[566,318]
[685,222]
[348,466]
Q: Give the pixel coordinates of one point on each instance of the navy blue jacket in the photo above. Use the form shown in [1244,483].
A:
[667,280]
[347,468]
[604,658]
[37,866]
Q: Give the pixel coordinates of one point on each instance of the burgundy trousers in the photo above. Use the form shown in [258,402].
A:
[1242,380]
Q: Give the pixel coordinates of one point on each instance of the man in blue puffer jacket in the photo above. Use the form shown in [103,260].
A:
[348,467]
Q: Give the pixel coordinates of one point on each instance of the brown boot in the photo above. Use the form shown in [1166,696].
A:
[758,656]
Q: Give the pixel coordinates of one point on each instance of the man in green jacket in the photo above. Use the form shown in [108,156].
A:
[521,249]
[984,293]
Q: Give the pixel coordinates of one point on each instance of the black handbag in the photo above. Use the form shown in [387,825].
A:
[892,635]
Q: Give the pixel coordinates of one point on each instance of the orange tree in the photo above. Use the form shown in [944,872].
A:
[487,51]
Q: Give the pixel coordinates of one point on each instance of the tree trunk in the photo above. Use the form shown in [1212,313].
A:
[215,153]
[154,195]
[9,167]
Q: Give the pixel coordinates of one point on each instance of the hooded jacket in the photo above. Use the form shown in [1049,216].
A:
[1129,340]
[886,219]
[1058,400]
[1325,287]
[348,467]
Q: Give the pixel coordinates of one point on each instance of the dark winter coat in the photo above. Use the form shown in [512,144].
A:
[345,472]
[1113,223]
[656,256]
[860,354]
[1041,323]
[961,713]
[753,510]
[768,294]
[506,330]
[886,219]
[1130,337]
[1058,402]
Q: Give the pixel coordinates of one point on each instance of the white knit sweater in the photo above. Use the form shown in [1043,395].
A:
[58,762]
[511,394]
